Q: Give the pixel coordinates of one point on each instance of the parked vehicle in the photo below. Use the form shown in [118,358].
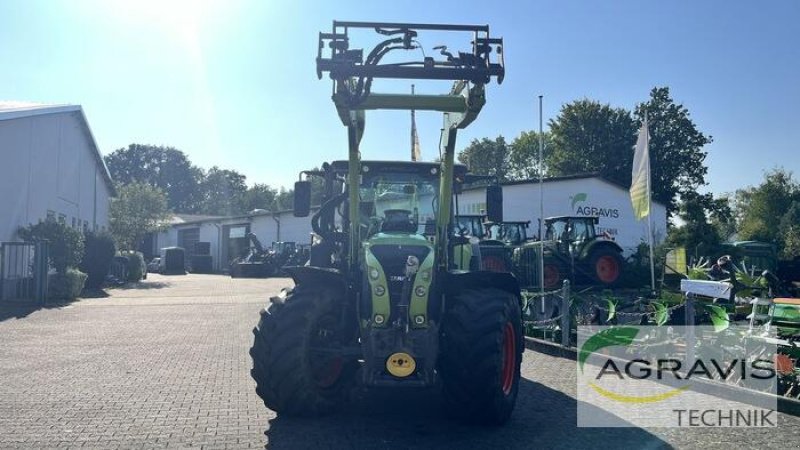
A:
[572,249]
[384,303]
[154,266]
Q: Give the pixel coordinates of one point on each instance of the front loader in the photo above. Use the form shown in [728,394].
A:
[386,300]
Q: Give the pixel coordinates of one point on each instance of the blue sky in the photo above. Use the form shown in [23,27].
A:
[233,83]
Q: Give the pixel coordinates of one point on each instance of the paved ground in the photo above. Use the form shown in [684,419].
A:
[166,364]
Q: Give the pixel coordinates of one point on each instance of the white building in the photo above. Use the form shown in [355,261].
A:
[581,195]
[51,167]
[577,195]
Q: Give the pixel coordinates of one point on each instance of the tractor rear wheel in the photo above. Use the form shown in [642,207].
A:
[295,362]
[605,266]
[482,345]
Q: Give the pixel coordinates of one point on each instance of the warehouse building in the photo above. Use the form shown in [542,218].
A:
[51,168]
[579,195]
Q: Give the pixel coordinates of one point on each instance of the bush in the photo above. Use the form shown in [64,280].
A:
[97,258]
[137,270]
[66,286]
[66,243]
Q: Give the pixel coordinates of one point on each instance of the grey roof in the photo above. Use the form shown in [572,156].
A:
[577,176]
[15,110]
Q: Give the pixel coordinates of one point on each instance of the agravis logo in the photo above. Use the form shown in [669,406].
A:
[622,336]
[579,197]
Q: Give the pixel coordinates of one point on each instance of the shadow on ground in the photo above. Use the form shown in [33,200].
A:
[19,309]
[543,418]
[143,285]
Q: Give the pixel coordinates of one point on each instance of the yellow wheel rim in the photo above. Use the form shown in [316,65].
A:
[401,364]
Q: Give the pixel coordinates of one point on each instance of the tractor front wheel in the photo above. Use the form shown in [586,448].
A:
[482,345]
[295,362]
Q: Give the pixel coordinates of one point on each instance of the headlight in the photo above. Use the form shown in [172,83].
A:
[373,273]
[420,291]
[380,290]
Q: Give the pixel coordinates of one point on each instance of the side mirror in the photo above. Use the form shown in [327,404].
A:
[494,203]
[302,198]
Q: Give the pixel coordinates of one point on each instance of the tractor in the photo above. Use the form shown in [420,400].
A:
[572,249]
[385,300]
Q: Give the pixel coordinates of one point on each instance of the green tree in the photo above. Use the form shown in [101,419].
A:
[224,192]
[259,196]
[760,209]
[703,217]
[524,159]
[789,232]
[770,212]
[487,157]
[588,136]
[284,200]
[66,243]
[138,209]
[164,167]
[676,148]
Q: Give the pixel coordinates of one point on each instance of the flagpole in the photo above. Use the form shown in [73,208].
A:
[541,203]
[650,209]
[413,156]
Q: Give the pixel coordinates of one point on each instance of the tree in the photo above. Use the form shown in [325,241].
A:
[138,209]
[259,196]
[676,148]
[487,157]
[588,136]
[66,243]
[789,232]
[770,212]
[524,159]
[164,167]
[284,200]
[704,218]
[224,192]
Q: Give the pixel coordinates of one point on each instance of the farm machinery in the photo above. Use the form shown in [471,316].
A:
[260,262]
[572,249]
[386,300]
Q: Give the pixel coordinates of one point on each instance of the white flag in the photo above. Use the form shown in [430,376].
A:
[640,176]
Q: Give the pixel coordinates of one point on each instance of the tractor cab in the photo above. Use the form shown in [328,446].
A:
[471,225]
[510,233]
[569,234]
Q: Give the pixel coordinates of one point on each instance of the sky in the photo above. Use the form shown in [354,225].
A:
[233,83]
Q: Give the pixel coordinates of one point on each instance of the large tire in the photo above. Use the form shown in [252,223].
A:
[290,378]
[605,266]
[482,345]
[554,274]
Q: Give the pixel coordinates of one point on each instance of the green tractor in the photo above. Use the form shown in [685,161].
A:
[572,249]
[496,240]
[386,299]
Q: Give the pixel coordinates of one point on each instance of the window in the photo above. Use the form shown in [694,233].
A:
[73,223]
[62,218]
[51,215]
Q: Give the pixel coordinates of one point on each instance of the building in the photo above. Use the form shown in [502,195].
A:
[576,195]
[51,168]
[580,195]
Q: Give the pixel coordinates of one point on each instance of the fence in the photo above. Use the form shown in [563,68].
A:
[23,271]
[554,315]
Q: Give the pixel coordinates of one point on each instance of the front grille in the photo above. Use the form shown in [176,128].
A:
[392,259]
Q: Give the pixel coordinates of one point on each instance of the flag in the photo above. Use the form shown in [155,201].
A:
[640,177]
[415,150]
